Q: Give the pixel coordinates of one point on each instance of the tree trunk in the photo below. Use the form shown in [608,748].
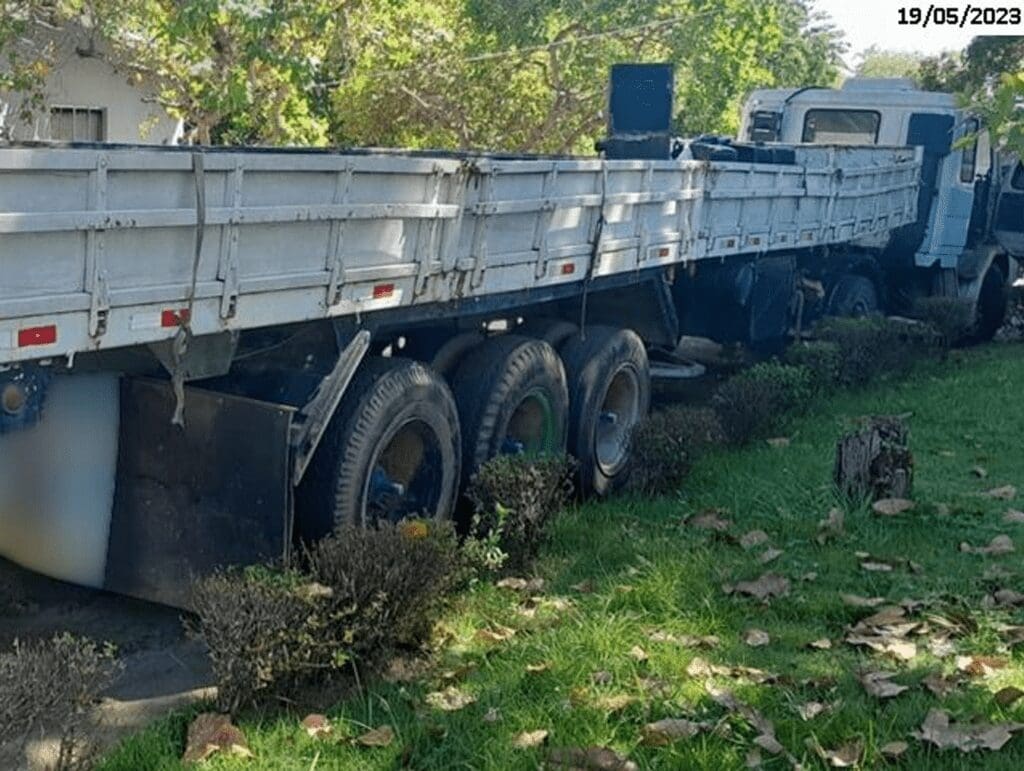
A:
[876,461]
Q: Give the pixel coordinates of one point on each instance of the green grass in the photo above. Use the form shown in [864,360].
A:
[650,573]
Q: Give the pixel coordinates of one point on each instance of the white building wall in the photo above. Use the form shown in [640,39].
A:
[89,81]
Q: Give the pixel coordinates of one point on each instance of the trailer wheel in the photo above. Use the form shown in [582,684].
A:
[512,398]
[554,332]
[610,393]
[391,451]
[993,301]
[854,296]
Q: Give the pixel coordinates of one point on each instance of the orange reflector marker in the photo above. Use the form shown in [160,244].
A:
[37,336]
[568,269]
[664,251]
[380,291]
[171,318]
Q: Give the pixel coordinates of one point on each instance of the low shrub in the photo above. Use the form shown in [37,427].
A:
[869,347]
[665,444]
[389,585]
[48,686]
[754,400]
[266,631]
[823,361]
[950,319]
[515,498]
[362,593]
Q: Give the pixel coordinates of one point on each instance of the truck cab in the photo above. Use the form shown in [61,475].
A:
[970,216]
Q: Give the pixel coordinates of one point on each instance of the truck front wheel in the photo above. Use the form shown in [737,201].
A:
[610,392]
[993,300]
[391,451]
[854,296]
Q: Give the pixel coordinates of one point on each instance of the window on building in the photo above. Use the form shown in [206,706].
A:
[841,127]
[78,124]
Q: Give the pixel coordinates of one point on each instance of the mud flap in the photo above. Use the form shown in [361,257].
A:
[190,500]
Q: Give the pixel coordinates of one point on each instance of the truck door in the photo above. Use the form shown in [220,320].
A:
[1009,221]
[944,201]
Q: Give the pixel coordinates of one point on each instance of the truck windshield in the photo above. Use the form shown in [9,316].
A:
[844,127]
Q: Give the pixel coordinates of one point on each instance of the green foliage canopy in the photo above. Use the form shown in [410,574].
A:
[527,76]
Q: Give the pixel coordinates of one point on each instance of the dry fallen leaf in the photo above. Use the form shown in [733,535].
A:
[763,588]
[637,653]
[1006,696]
[1013,517]
[541,666]
[530,739]
[1001,544]
[666,731]
[822,644]
[755,638]
[879,684]
[893,750]
[810,710]
[515,584]
[876,567]
[979,471]
[770,554]
[382,736]
[778,442]
[493,715]
[589,759]
[685,640]
[980,666]
[210,734]
[940,685]
[890,507]
[584,587]
[753,538]
[939,731]
[316,726]
[832,526]
[1008,598]
[1004,493]
[856,601]
[601,678]
[846,756]
[710,519]
[495,634]
[451,699]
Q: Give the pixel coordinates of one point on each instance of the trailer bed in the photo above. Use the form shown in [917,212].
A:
[103,247]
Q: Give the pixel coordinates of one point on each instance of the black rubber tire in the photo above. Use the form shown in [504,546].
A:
[854,296]
[593,362]
[993,302]
[491,384]
[385,395]
[553,331]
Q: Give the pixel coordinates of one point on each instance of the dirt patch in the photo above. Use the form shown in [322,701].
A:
[162,669]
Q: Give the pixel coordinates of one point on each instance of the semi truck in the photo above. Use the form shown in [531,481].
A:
[211,355]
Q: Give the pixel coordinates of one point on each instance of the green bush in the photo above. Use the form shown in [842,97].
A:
[49,686]
[869,347]
[362,593]
[753,401]
[823,361]
[515,498]
[950,319]
[665,444]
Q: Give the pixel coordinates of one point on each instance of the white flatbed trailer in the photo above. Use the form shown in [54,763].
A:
[98,247]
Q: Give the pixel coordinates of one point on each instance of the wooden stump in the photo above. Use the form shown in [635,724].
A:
[875,461]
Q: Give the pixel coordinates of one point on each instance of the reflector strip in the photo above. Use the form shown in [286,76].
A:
[37,336]
[172,318]
[380,291]
[664,251]
[568,269]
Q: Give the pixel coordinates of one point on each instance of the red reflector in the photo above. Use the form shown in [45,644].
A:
[383,290]
[664,252]
[37,336]
[568,269]
[173,318]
